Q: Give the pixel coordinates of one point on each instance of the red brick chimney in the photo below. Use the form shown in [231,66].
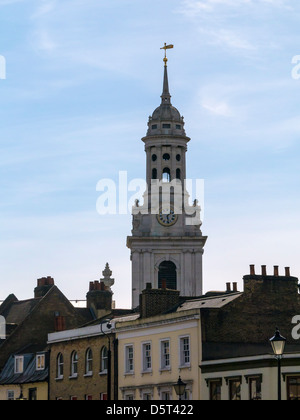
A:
[43,286]
[264,270]
[99,298]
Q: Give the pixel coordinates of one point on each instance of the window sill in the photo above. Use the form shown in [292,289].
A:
[167,369]
[73,376]
[146,372]
[185,367]
[88,375]
[129,374]
[103,373]
[61,378]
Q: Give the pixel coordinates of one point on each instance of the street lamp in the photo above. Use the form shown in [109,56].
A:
[21,397]
[278,344]
[180,388]
[109,326]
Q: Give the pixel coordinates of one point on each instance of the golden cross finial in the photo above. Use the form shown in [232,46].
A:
[166,47]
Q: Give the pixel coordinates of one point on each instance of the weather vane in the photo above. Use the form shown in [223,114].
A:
[166,47]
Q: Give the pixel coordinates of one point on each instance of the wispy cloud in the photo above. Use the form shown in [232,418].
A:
[196,7]
[221,109]
[8,2]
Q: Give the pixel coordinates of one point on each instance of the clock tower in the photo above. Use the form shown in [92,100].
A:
[167,244]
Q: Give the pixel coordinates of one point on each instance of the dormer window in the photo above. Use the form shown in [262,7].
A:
[19,364]
[40,362]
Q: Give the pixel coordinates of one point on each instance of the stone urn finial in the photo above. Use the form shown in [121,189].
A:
[107,280]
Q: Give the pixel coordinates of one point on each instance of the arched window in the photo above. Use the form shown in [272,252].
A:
[154,173]
[104,359]
[166,175]
[89,362]
[74,364]
[178,174]
[60,366]
[167,275]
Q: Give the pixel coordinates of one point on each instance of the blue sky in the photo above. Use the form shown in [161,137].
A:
[82,78]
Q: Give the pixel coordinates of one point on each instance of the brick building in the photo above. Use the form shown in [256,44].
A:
[79,361]
[28,322]
[79,364]
[237,359]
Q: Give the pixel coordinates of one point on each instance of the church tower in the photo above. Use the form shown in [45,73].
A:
[166,243]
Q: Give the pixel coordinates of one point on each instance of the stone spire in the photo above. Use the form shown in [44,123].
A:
[166,119]
[166,97]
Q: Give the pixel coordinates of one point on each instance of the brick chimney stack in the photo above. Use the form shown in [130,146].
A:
[157,301]
[285,285]
[43,286]
[99,298]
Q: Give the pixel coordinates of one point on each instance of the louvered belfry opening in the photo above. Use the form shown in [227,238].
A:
[167,276]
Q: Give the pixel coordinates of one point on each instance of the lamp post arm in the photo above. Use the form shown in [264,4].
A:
[108,363]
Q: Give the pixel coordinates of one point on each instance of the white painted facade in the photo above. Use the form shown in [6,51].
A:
[166,227]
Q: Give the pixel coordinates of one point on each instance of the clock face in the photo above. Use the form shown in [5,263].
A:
[167,219]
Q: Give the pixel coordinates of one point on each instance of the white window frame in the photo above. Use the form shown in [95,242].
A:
[164,392]
[129,362]
[164,356]
[89,359]
[74,362]
[19,364]
[60,366]
[10,395]
[104,360]
[182,355]
[40,362]
[129,397]
[147,396]
[145,367]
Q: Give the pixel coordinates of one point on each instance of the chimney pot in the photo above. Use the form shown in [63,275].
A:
[276,271]
[252,270]
[164,284]
[149,286]
[44,284]
[235,288]
[264,270]
[228,287]
[287,272]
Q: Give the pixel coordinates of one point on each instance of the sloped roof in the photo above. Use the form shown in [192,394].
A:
[29,375]
[20,310]
[210,302]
